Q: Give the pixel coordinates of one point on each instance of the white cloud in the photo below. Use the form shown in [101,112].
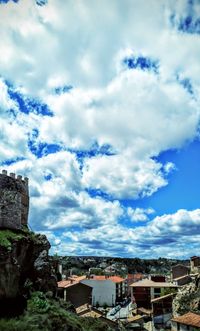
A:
[139,214]
[123,176]
[172,236]
[138,113]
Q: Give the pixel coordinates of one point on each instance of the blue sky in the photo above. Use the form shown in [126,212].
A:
[99,107]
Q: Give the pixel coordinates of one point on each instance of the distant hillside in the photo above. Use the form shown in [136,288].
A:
[128,265]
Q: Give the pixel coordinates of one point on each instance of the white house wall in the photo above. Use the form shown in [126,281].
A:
[104,291]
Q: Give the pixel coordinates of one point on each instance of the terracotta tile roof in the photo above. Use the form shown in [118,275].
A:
[77,278]
[137,276]
[151,283]
[66,283]
[70,281]
[115,279]
[190,319]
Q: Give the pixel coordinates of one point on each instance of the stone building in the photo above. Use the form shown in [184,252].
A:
[195,264]
[14,201]
[179,270]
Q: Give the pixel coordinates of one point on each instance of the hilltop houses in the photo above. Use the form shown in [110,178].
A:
[133,300]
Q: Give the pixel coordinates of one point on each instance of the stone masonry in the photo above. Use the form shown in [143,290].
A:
[14,201]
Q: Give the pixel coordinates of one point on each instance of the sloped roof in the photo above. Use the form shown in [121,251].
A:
[115,279]
[77,278]
[182,277]
[70,281]
[190,319]
[180,265]
[135,276]
[151,283]
[163,297]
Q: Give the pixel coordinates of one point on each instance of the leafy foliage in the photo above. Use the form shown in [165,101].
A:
[51,315]
[7,236]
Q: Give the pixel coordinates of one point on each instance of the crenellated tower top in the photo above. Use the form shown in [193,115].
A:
[14,200]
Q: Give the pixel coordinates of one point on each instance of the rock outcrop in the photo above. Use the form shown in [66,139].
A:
[188,298]
[24,265]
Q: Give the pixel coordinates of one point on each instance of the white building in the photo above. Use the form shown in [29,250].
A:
[186,322]
[106,290]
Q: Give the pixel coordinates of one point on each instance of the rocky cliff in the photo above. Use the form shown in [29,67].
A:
[27,288]
[188,298]
[23,265]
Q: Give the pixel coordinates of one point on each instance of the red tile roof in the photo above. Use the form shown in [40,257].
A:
[115,279]
[66,283]
[77,278]
[137,276]
[70,281]
[190,319]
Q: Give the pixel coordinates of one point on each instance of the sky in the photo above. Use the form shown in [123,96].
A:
[100,108]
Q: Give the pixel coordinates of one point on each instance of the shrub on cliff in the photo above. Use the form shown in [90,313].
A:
[51,315]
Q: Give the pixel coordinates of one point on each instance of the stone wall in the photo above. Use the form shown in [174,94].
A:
[14,201]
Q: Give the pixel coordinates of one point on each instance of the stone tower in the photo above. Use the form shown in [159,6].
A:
[14,201]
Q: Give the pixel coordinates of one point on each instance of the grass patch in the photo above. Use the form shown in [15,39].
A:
[7,236]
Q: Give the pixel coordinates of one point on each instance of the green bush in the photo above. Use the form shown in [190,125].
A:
[51,315]
[7,236]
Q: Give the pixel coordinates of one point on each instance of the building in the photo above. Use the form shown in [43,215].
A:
[162,310]
[144,291]
[75,292]
[195,264]
[14,201]
[132,278]
[110,270]
[189,322]
[106,290]
[179,270]
[157,278]
[183,280]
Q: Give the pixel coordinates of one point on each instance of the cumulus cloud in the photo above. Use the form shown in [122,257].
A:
[115,97]
[139,214]
[167,235]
